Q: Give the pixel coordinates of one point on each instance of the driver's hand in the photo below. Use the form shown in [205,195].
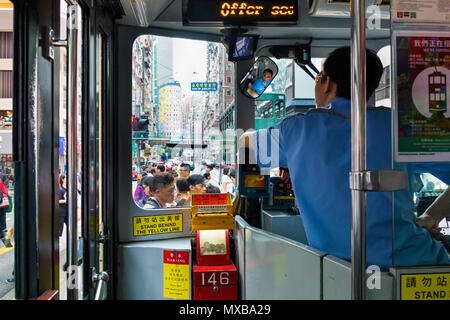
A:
[430,223]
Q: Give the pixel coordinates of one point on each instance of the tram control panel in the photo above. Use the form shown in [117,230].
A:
[253,183]
[281,196]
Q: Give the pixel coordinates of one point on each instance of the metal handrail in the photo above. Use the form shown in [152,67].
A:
[101,279]
[72,157]
[358,112]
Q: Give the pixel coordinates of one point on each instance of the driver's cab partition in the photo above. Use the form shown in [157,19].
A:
[288,269]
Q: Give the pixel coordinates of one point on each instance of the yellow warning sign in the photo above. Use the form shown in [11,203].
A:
[431,286]
[176,274]
[148,225]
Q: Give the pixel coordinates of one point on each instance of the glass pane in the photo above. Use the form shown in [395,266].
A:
[79,150]
[180,90]
[422,150]
[6,165]
[212,242]
[430,189]
[100,71]
[63,214]
[63,157]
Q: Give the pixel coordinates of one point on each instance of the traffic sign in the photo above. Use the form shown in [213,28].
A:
[204,86]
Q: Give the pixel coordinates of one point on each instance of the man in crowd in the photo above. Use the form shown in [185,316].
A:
[162,191]
[160,168]
[185,170]
[196,184]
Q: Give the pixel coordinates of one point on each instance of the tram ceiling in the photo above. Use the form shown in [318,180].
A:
[167,15]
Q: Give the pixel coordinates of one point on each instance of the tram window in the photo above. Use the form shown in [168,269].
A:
[429,188]
[179,112]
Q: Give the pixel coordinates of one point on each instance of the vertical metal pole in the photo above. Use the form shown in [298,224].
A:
[358,91]
[72,122]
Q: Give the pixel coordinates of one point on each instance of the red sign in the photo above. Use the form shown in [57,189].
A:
[215,282]
[210,199]
[215,275]
[176,257]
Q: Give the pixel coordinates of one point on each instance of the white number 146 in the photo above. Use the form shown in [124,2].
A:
[223,279]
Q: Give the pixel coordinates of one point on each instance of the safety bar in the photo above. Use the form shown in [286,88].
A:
[358,122]
[72,123]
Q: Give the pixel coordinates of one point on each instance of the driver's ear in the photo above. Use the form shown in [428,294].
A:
[329,85]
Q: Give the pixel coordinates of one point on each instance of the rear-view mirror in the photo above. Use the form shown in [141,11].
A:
[259,77]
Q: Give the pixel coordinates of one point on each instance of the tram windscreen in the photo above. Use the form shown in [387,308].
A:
[177,104]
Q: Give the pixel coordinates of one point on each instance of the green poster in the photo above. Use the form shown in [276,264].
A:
[422,96]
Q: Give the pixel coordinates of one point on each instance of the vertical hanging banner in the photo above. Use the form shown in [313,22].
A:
[176,274]
[421,95]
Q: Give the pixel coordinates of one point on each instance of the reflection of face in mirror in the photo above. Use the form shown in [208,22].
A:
[257,88]
[259,77]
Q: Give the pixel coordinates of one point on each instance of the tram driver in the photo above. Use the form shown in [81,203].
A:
[256,88]
[316,147]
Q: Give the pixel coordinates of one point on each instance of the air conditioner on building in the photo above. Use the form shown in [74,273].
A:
[341,8]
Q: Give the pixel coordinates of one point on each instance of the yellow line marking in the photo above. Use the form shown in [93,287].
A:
[5,249]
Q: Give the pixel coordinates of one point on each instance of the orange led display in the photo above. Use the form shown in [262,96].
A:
[250,12]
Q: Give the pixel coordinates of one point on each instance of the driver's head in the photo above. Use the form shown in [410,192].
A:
[267,75]
[335,78]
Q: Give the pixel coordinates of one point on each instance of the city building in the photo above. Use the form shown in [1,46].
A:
[170,115]
[143,81]
[6,81]
[221,71]
[192,124]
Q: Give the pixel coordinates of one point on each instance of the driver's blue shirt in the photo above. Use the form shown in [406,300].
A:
[316,147]
[259,86]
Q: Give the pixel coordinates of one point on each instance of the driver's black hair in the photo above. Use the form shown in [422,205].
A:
[269,70]
[338,67]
